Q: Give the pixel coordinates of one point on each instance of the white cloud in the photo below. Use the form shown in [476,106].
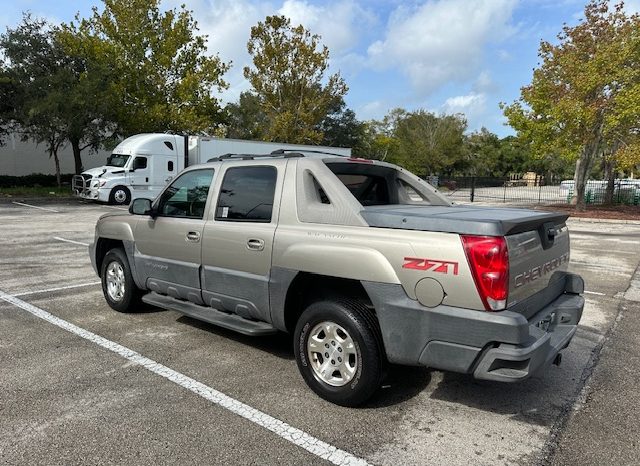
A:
[228,24]
[472,105]
[484,83]
[465,103]
[441,40]
[372,110]
[339,23]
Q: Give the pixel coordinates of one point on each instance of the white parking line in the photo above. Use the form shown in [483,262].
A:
[36,207]
[114,207]
[50,290]
[70,241]
[595,293]
[282,429]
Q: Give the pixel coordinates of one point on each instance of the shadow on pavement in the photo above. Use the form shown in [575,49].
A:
[280,344]
[532,401]
[401,384]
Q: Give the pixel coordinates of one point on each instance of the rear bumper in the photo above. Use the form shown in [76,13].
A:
[548,336]
[502,346]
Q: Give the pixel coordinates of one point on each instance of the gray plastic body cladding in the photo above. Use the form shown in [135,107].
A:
[465,220]
[177,279]
[407,326]
[213,316]
[454,339]
[92,256]
[511,363]
[279,282]
[129,249]
[243,293]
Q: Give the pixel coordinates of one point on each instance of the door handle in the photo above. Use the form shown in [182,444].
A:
[255,244]
[193,236]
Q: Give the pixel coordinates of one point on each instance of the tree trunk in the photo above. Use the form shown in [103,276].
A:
[583,167]
[56,160]
[609,175]
[77,158]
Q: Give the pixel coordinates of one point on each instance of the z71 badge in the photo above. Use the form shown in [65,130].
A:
[431,265]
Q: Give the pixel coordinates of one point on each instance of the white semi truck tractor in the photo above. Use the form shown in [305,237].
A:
[141,165]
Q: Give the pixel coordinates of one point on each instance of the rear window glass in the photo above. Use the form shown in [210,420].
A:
[368,189]
[373,185]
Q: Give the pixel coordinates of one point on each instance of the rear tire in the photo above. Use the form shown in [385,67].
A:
[339,351]
[118,286]
[120,195]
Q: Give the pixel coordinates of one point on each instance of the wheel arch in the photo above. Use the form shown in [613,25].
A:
[306,287]
[104,245]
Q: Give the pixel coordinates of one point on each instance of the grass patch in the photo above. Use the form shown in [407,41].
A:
[35,191]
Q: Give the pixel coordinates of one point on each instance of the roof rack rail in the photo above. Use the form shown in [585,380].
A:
[313,151]
[253,156]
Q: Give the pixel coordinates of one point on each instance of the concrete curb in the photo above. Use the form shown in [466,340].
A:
[9,200]
[633,292]
[603,220]
[576,219]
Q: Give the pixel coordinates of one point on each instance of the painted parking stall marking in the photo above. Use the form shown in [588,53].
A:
[60,288]
[282,429]
[64,240]
[36,207]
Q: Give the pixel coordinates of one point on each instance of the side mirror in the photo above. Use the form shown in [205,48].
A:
[141,206]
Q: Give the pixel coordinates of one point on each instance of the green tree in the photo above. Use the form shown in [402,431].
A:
[488,155]
[245,119]
[430,144]
[376,142]
[584,98]
[8,101]
[288,76]
[341,128]
[515,156]
[485,154]
[160,77]
[46,95]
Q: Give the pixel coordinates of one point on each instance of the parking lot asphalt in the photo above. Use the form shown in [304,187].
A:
[65,399]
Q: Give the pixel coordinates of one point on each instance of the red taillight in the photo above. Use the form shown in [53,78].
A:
[489,262]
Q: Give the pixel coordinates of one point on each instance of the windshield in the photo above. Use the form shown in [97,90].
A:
[117,160]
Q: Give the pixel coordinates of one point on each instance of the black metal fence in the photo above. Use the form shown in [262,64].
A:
[532,191]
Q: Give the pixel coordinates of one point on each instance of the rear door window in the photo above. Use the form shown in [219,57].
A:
[247,195]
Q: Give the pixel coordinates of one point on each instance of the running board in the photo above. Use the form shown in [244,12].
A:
[213,316]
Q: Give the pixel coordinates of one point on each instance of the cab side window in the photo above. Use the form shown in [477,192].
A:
[247,194]
[187,196]
[140,163]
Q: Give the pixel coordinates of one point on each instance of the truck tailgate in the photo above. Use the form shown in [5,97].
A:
[537,242]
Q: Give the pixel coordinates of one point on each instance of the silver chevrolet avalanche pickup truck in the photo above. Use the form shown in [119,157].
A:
[365,263]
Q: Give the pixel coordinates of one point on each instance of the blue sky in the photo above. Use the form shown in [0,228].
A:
[441,55]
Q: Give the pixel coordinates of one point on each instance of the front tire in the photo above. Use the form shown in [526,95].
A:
[339,351]
[118,286]
[120,195]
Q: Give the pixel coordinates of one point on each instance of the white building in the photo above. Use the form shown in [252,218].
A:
[18,158]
